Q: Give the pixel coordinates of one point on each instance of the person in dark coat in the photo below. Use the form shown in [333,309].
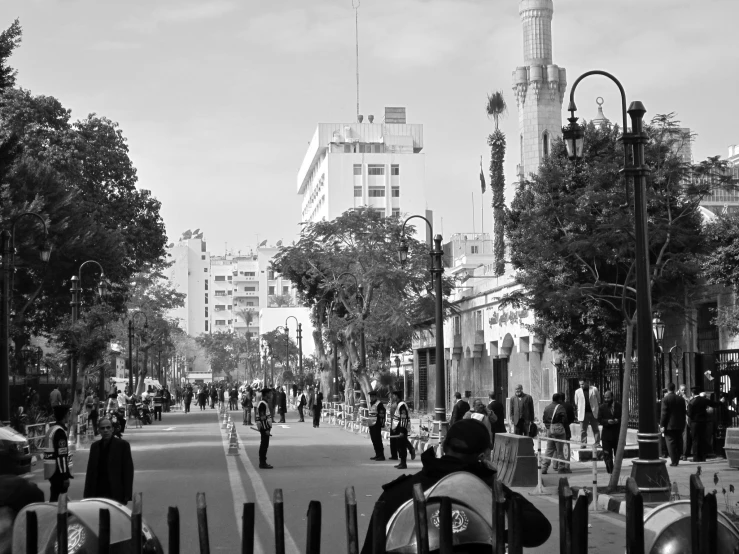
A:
[202,398]
[698,413]
[662,443]
[461,407]
[282,404]
[672,423]
[521,412]
[317,407]
[109,467]
[496,407]
[609,417]
[463,447]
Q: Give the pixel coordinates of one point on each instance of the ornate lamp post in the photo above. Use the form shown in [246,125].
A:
[648,469]
[437,270]
[659,334]
[8,261]
[300,340]
[131,329]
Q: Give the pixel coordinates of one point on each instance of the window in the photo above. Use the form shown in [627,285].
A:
[249,303]
[357,169]
[206,297]
[478,320]
[247,289]
[230,307]
[202,256]
[395,169]
[220,321]
[545,144]
[230,321]
[474,249]
[271,290]
[457,326]
[249,274]
[205,270]
[206,285]
[357,192]
[271,275]
[396,212]
[206,324]
[396,191]
[220,293]
[376,192]
[230,277]
[206,312]
[285,290]
[230,292]
[220,308]
[220,278]
[376,170]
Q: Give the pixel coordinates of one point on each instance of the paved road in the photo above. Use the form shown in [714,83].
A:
[186,453]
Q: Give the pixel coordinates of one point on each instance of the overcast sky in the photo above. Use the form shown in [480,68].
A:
[219,98]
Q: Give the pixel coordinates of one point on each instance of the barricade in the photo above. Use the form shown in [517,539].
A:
[514,458]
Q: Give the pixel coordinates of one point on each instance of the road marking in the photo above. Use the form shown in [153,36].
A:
[285,426]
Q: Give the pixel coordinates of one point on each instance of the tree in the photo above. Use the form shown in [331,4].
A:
[10,39]
[251,343]
[571,235]
[721,264]
[363,243]
[223,349]
[496,108]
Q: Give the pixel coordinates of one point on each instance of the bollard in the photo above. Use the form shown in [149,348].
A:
[279,511]
[352,531]
[379,531]
[565,516]
[709,537]
[173,526]
[202,511]
[499,532]
[247,529]
[696,512]
[595,477]
[539,489]
[580,524]
[103,533]
[422,527]
[635,519]
[446,535]
[136,525]
[313,537]
[62,534]
[31,532]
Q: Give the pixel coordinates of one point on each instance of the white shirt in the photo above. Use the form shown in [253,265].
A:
[122,399]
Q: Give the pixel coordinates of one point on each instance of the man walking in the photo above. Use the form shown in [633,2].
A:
[55,397]
[264,426]
[56,454]
[158,405]
[376,422]
[496,407]
[587,401]
[521,412]
[672,423]
[610,419]
[282,404]
[109,467]
[187,397]
[317,407]
[687,440]
[555,420]
[247,405]
[461,407]
[301,403]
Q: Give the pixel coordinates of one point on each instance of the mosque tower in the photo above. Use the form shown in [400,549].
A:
[539,86]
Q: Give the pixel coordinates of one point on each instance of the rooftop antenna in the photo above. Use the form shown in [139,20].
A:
[355,5]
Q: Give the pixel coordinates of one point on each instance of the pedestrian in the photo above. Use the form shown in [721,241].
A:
[687,439]
[282,404]
[202,398]
[497,408]
[375,423]
[460,408]
[317,407]
[480,413]
[213,396]
[109,467]
[662,443]
[187,398]
[610,418]
[158,405]
[89,403]
[234,397]
[571,418]
[672,423]
[247,405]
[392,419]
[302,401]
[587,401]
[94,413]
[55,397]
[56,454]
[698,411]
[521,412]
[123,401]
[462,449]
[264,426]
[167,396]
[401,431]
[555,420]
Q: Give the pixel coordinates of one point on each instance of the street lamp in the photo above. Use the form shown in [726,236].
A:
[8,253]
[131,327]
[649,469]
[300,341]
[437,270]
[658,326]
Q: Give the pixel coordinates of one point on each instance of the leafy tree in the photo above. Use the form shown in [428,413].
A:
[224,350]
[721,264]
[280,349]
[280,301]
[496,108]
[571,235]
[10,39]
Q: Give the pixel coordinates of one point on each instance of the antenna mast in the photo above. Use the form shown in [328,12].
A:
[355,5]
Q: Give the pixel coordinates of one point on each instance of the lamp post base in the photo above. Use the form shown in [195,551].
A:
[652,479]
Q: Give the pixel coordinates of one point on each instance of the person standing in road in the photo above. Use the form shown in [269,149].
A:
[610,418]
[158,405]
[317,407]
[55,397]
[167,399]
[672,423]
[301,403]
[123,401]
[247,405]
[521,412]
[375,422]
[401,431]
[56,454]
[496,407]
[460,408]
[587,401]
[282,404]
[109,467]
[187,398]
[264,426]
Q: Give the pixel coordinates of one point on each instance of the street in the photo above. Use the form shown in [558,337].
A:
[187,453]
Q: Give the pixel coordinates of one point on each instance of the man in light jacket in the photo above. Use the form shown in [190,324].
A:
[587,401]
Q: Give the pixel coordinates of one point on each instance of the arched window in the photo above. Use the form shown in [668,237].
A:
[545,144]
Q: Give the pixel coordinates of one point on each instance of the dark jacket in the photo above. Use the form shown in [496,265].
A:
[496,406]
[120,470]
[397,492]
[460,408]
[571,418]
[283,402]
[605,412]
[318,401]
[554,413]
[697,409]
[673,413]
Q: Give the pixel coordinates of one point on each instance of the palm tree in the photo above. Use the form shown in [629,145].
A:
[496,108]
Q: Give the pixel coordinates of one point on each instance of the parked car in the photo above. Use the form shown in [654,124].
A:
[15,453]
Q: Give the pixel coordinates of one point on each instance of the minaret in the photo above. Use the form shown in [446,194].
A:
[539,86]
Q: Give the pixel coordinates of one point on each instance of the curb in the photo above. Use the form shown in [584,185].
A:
[606,502]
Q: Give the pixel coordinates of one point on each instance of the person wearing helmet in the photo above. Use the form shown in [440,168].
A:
[56,455]
[463,450]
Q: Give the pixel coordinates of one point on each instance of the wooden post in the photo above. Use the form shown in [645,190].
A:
[422,528]
[709,536]
[313,538]
[31,532]
[499,533]
[136,525]
[696,512]
[565,516]
[279,511]
[580,524]
[247,528]
[103,534]
[446,539]
[634,518]
[379,528]
[62,536]
[202,510]
[173,525]
[515,526]
[352,532]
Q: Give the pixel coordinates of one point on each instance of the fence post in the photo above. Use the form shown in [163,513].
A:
[136,525]
[634,518]
[446,538]
[565,516]
[62,536]
[696,512]
[499,533]
[173,526]
[31,532]
[313,537]
[580,524]
[247,529]
[202,511]
[352,531]
[709,536]
[595,477]
[540,484]
[103,533]
[279,511]
[422,527]
[379,524]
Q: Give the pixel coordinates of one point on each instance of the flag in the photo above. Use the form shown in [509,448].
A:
[482,177]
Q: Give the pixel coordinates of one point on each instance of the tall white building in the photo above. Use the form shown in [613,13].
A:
[190,275]
[349,165]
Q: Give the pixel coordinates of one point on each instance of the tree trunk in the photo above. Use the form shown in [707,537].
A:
[619,457]
[142,374]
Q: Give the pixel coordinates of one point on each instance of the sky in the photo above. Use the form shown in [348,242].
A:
[219,98]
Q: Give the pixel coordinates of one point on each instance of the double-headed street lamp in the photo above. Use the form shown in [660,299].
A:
[437,271]
[648,470]
[300,341]
[131,329]
[8,253]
